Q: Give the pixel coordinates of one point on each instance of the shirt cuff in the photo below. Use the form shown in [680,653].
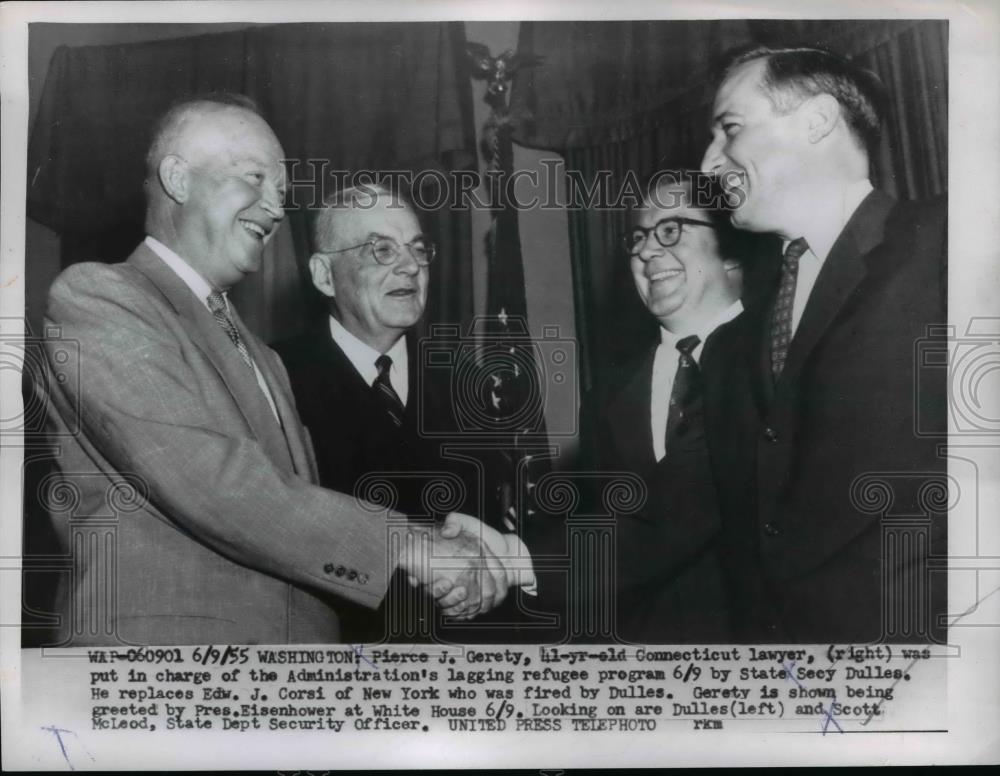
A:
[520,569]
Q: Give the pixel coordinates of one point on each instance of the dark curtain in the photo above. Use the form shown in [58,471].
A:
[633,97]
[373,97]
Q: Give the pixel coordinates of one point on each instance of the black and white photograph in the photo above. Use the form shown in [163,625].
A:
[388,387]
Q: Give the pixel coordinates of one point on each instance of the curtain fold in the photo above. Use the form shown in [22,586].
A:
[375,97]
[633,97]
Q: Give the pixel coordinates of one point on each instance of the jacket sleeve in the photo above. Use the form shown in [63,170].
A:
[141,390]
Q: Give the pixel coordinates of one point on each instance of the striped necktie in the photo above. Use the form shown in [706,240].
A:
[781,315]
[387,396]
[687,387]
[217,304]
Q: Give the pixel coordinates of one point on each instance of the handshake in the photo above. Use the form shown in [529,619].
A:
[467,565]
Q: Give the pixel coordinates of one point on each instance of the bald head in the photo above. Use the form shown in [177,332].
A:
[215,186]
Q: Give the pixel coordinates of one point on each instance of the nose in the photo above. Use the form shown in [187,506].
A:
[272,201]
[651,248]
[712,160]
[406,264]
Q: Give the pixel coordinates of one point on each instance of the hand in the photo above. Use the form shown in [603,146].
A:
[464,577]
[507,547]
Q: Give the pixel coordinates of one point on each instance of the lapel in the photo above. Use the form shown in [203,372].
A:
[842,272]
[629,419]
[276,380]
[209,337]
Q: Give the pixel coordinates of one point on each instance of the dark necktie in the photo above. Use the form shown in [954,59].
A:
[687,388]
[387,396]
[781,315]
[217,304]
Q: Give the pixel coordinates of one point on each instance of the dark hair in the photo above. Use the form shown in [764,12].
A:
[792,74]
[703,192]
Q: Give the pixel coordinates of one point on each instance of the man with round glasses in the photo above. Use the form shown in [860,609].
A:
[357,382]
[669,581]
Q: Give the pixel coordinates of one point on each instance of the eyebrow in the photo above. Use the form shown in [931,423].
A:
[379,236]
[721,116]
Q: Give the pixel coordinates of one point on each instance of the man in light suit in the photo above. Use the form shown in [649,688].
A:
[195,516]
[816,387]
[668,575]
[359,387]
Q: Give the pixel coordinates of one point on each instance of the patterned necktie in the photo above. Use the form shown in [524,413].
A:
[781,315]
[217,304]
[687,387]
[386,394]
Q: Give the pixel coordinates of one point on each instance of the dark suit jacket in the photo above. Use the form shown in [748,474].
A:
[669,579]
[360,451]
[356,441]
[824,483]
[190,515]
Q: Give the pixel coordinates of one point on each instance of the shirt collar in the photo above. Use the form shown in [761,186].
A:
[362,356]
[670,339]
[200,287]
[827,226]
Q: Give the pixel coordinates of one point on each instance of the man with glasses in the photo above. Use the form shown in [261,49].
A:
[668,577]
[358,385]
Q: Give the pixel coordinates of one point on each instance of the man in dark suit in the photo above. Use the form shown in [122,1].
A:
[361,392]
[195,516]
[831,529]
[668,576]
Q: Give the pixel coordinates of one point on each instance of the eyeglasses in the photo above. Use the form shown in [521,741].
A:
[386,251]
[667,233]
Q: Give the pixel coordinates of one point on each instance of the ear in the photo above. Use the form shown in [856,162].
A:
[822,114]
[174,178]
[322,277]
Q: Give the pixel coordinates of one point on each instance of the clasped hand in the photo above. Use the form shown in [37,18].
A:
[458,562]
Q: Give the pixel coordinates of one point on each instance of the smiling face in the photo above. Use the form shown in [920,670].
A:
[686,284]
[231,199]
[377,303]
[759,152]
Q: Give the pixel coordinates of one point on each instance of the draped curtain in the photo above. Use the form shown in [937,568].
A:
[633,97]
[354,96]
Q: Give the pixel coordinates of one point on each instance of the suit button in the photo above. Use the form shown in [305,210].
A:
[328,568]
[363,579]
[770,434]
[771,529]
[352,575]
[340,571]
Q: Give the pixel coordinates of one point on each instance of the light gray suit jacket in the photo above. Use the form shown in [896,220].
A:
[190,514]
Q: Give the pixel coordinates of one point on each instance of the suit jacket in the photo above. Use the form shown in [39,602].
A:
[356,442]
[824,482]
[359,450]
[189,513]
[352,433]
[669,578]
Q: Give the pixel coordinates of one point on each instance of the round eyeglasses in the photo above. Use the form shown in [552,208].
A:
[667,233]
[386,251]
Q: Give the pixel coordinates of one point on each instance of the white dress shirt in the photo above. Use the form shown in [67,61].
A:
[363,358]
[201,288]
[665,363]
[821,235]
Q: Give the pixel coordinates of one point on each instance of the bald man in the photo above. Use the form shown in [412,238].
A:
[194,514]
